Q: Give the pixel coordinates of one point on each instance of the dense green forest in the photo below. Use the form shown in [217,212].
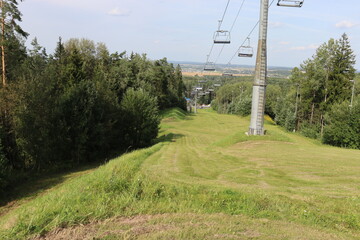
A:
[78,104]
[320,99]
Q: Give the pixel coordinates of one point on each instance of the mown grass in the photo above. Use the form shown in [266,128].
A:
[173,114]
[242,137]
[204,166]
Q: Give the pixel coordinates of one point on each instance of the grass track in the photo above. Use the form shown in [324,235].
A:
[206,171]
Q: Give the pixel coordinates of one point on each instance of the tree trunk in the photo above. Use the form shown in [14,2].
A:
[322,125]
[312,113]
[312,108]
[2,44]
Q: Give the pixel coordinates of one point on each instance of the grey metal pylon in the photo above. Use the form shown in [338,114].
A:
[259,86]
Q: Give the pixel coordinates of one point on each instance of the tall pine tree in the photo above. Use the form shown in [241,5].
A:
[325,81]
[9,18]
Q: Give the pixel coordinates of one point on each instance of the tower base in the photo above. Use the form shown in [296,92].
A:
[257,132]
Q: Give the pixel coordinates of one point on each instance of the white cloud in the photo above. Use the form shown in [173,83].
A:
[119,12]
[345,24]
[302,48]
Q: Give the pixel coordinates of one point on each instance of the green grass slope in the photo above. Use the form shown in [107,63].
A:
[204,179]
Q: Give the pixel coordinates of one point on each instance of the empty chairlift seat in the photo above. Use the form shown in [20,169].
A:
[209,66]
[222,37]
[246,50]
[289,3]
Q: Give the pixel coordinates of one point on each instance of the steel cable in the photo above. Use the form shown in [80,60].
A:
[220,23]
[248,36]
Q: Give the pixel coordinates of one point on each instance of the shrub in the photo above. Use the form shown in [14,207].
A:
[140,118]
[343,126]
[310,130]
[215,105]
[243,105]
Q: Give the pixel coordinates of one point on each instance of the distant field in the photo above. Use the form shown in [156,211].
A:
[192,74]
[204,179]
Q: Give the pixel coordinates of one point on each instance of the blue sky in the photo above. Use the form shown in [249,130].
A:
[182,30]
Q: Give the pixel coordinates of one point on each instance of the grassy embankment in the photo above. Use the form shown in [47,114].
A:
[205,179]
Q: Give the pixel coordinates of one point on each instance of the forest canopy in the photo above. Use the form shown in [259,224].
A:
[79,104]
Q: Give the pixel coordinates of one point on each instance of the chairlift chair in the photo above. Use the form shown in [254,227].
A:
[290,3]
[222,37]
[209,66]
[227,71]
[246,50]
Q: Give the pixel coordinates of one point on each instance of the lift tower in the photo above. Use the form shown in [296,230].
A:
[259,85]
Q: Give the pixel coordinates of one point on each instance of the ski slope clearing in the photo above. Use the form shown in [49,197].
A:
[204,179]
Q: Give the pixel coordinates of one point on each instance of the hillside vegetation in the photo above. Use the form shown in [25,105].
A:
[204,179]
[320,99]
[86,104]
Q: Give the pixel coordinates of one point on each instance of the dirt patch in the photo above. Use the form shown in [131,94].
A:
[120,226]
[188,226]
[252,144]
[9,206]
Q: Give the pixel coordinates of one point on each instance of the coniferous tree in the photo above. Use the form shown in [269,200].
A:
[343,71]
[324,80]
[9,17]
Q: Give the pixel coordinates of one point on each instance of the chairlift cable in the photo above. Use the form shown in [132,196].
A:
[222,19]
[220,23]
[238,13]
[232,26]
[217,58]
[248,36]
[208,56]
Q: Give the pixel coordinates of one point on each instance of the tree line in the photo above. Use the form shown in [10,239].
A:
[320,99]
[78,104]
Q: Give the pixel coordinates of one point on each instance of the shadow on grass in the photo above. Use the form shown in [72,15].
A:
[170,137]
[33,186]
